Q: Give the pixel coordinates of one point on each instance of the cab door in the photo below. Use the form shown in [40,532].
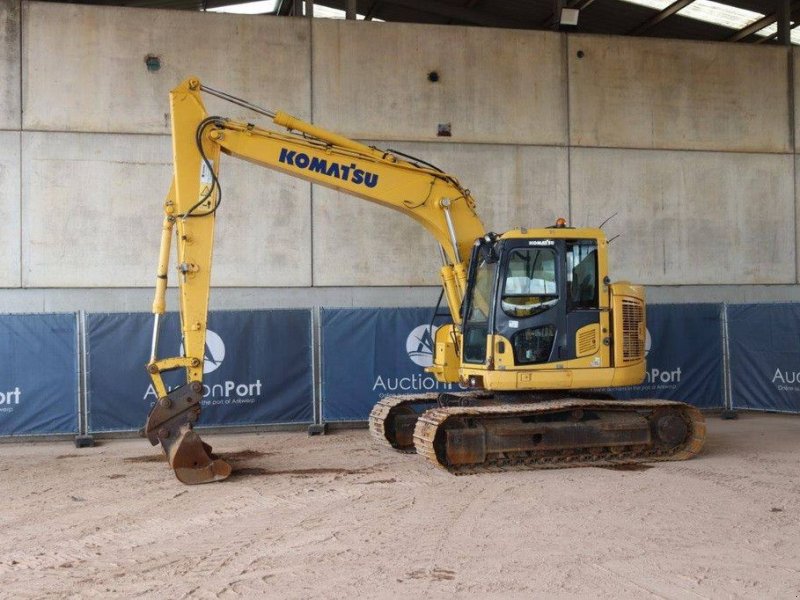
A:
[479,303]
[530,300]
[582,298]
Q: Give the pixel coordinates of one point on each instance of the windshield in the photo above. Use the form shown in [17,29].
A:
[530,284]
[481,293]
[476,323]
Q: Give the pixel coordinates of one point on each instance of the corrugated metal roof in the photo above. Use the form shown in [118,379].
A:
[620,17]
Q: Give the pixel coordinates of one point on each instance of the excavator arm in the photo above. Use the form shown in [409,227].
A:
[433,198]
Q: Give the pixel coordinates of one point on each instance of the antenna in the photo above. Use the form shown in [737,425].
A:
[608,219]
[615,237]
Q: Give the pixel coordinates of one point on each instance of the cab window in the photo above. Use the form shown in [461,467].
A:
[530,283]
[582,290]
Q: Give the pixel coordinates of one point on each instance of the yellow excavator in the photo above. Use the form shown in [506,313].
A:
[536,322]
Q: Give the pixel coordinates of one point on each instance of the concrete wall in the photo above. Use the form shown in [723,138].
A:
[101,185]
[10,113]
[372,82]
[692,144]
[668,94]
[84,66]
[10,120]
[9,209]
[690,217]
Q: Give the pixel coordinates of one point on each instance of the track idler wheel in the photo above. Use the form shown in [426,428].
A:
[171,422]
[400,428]
[669,428]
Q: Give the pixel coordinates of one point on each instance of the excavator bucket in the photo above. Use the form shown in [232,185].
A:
[170,422]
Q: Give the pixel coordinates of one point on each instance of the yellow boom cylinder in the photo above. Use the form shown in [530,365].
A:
[160,301]
[294,124]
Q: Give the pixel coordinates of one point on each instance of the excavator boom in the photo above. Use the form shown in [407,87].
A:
[431,197]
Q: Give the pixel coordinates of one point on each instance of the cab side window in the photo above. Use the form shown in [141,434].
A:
[582,288]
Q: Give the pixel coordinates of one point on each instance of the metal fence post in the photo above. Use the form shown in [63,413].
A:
[728,411]
[83,439]
[318,427]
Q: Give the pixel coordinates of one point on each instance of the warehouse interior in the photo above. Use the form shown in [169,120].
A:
[670,125]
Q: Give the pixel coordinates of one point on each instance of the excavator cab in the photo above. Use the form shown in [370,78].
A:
[535,293]
[540,313]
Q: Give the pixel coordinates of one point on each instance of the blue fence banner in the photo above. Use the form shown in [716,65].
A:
[369,353]
[257,371]
[765,356]
[684,356]
[39,374]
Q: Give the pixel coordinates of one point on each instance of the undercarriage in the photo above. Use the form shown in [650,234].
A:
[475,432]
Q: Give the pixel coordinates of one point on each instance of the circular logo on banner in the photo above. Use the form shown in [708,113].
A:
[648,342]
[419,345]
[214,354]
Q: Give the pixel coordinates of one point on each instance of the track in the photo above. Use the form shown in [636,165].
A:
[570,432]
[383,424]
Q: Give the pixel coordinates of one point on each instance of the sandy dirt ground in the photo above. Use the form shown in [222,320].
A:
[339,517]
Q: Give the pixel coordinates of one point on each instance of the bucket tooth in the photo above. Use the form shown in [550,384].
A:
[170,423]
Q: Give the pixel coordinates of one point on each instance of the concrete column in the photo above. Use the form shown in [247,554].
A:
[10,113]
